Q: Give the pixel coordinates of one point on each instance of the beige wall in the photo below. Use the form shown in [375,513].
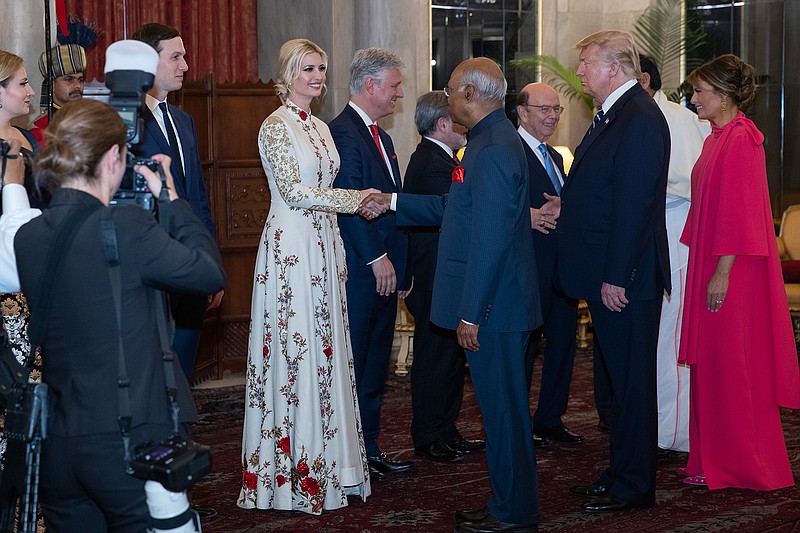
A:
[343,26]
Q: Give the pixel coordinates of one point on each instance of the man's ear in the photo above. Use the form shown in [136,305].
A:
[614,69]
[469,92]
[369,85]
[645,80]
[441,124]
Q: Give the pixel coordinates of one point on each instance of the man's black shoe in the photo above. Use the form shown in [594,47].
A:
[604,425]
[205,513]
[384,465]
[439,452]
[539,442]
[490,524]
[590,491]
[473,515]
[665,455]
[559,434]
[607,504]
[467,445]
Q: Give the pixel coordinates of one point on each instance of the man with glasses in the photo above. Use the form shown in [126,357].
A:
[539,111]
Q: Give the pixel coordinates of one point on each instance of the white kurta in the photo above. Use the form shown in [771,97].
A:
[302,447]
[687,133]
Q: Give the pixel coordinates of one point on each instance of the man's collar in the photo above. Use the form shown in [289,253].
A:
[614,96]
[361,113]
[152,103]
[439,143]
[532,141]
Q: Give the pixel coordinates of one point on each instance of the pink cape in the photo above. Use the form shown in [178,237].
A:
[743,358]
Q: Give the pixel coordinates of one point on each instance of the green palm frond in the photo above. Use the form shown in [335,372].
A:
[562,79]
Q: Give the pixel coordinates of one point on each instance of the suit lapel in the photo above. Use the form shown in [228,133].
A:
[537,168]
[389,146]
[153,130]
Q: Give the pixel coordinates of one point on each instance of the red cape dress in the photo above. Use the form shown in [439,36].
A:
[743,358]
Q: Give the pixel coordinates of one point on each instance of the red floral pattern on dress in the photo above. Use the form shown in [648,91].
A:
[250,480]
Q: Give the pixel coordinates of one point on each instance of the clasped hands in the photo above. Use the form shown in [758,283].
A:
[544,219]
[374,203]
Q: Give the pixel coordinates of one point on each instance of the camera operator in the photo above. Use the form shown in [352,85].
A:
[16,212]
[84,485]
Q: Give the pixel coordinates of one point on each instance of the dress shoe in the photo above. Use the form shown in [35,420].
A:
[604,425]
[607,504]
[467,445]
[559,434]
[539,442]
[205,513]
[665,455]
[439,452]
[473,515]
[384,465]
[490,524]
[375,475]
[699,480]
[590,491]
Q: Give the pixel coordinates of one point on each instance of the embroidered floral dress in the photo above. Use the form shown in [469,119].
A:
[302,448]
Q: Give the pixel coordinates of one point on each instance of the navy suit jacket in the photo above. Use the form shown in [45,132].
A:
[546,246]
[612,226]
[153,142]
[430,171]
[362,167]
[483,270]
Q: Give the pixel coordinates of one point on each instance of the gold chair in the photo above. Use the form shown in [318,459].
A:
[404,329]
[789,250]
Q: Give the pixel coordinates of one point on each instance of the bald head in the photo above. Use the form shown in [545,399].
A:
[477,87]
[539,110]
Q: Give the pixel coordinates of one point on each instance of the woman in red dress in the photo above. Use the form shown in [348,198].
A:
[737,334]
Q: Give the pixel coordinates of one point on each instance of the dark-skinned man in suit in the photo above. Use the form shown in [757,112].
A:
[539,110]
[612,252]
[437,373]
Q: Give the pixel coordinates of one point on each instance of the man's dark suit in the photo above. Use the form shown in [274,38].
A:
[560,312]
[187,310]
[612,229]
[437,373]
[484,276]
[371,315]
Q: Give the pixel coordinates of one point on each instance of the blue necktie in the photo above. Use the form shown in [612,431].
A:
[548,166]
[597,118]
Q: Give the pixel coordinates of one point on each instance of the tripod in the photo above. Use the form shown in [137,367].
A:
[25,429]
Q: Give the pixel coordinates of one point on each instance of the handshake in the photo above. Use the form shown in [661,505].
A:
[374,203]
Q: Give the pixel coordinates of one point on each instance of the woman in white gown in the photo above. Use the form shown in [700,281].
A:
[302,447]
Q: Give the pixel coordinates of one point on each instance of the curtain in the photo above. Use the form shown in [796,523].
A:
[220,36]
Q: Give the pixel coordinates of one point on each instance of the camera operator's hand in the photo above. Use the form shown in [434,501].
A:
[15,164]
[154,180]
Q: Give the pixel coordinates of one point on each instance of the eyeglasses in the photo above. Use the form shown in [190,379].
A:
[448,91]
[546,109]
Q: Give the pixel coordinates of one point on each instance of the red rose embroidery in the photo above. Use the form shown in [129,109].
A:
[328,351]
[266,350]
[283,444]
[458,174]
[280,480]
[302,469]
[250,480]
[303,115]
[310,485]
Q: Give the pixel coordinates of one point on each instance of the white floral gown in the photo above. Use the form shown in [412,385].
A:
[302,447]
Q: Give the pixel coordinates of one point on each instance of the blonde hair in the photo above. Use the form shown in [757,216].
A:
[615,45]
[289,59]
[9,65]
[77,137]
[729,76]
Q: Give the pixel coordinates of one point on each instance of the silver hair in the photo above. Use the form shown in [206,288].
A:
[430,108]
[371,63]
[489,88]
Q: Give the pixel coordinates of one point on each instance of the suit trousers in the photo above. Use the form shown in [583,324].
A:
[498,374]
[628,341]
[84,486]
[559,329]
[437,375]
[371,318]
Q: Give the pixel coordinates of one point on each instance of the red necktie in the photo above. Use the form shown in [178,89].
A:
[375,137]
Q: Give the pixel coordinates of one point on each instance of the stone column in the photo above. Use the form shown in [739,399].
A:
[341,27]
